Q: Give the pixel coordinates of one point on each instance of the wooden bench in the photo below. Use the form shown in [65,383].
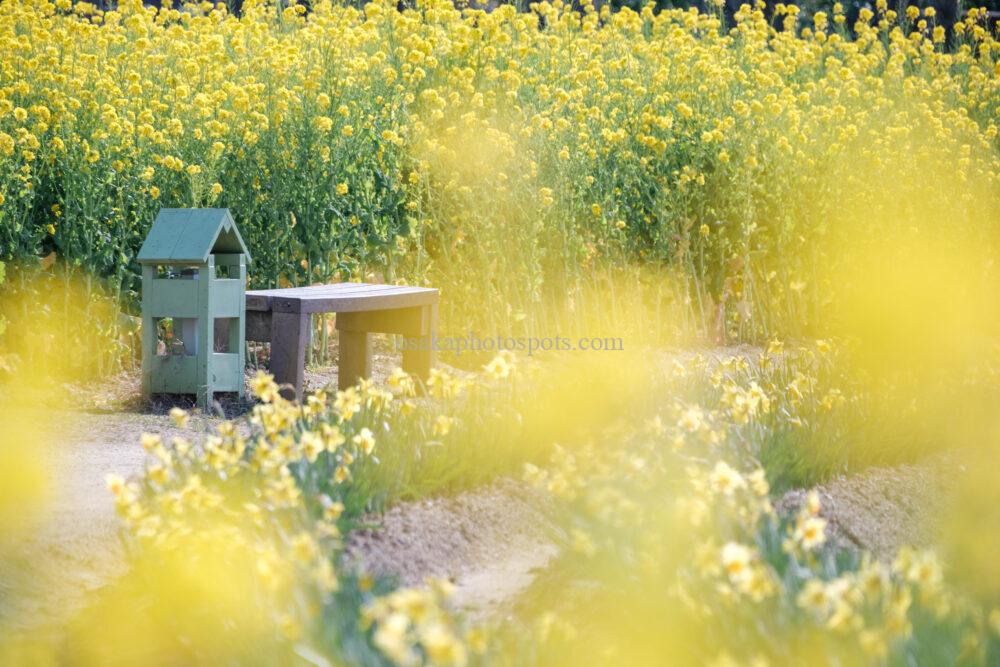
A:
[282,317]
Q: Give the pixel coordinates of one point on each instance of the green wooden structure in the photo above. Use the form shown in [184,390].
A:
[194,276]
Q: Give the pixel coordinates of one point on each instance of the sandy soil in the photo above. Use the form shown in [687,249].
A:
[882,509]
[490,542]
[74,547]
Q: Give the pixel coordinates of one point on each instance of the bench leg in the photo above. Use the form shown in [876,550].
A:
[289,340]
[355,358]
[418,362]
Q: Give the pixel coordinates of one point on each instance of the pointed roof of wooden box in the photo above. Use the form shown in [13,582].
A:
[190,235]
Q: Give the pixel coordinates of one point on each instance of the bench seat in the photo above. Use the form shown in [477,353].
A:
[282,317]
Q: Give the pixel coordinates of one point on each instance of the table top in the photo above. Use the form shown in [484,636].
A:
[340,298]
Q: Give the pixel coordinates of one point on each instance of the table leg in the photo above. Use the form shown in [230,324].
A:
[355,358]
[418,362]
[289,340]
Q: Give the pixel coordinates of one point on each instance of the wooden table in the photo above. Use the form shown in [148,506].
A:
[282,317]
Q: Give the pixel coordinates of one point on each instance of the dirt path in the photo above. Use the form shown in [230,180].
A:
[493,541]
[883,509]
[490,542]
[73,547]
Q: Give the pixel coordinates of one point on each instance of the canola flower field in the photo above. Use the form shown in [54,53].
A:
[657,174]
[528,164]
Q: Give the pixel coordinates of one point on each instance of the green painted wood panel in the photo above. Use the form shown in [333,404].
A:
[173,298]
[174,374]
[232,259]
[227,298]
[225,372]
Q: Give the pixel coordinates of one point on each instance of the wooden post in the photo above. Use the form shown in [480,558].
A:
[420,361]
[355,359]
[240,335]
[289,340]
[206,334]
[148,332]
